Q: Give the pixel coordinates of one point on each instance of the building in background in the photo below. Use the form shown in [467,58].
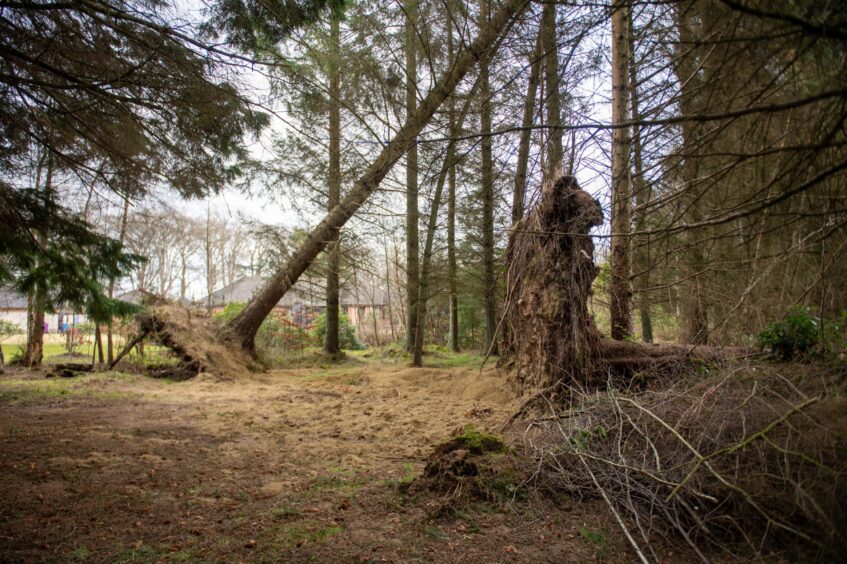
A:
[13,308]
[367,308]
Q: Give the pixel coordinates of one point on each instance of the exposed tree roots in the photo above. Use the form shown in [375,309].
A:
[197,342]
[550,335]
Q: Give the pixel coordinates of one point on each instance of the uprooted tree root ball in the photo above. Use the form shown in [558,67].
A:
[549,332]
[742,460]
[550,337]
[195,340]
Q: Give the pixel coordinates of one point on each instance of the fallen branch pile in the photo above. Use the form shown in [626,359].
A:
[744,457]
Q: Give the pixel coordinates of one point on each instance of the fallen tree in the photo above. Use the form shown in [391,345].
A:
[242,329]
[193,339]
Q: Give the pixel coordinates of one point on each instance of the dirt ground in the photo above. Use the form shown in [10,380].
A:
[289,465]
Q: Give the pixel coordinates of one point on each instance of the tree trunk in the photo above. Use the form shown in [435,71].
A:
[643,192]
[110,350]
[526,135]
[555,150]
[620,290]
[420,314]
[331,340]
[412,246]
[694,263]
[487,189]
[519,194]
[244,326]
[450,163]
[98,344]
[451,213]
[35,341]
[210,261]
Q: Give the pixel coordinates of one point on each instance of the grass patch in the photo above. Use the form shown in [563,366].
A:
[57,352]
[143,553]
[596,538]
[81,553]
[437,534]
[342,485]
[285,513]
[445,359]
[19,390]
[300,534]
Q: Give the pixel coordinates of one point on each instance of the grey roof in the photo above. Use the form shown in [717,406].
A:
[306,291]
[11,299]
[139,297]
[133,296]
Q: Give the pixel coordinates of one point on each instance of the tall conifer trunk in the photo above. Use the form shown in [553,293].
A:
[643,191]
[487,189]
[331,341]
[412,260]
[552,96]
[35,339]
[110,347]
[694,263]
[620,290]
[451,211]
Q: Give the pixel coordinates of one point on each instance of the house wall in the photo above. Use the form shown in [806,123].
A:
[18,317]
[372,323]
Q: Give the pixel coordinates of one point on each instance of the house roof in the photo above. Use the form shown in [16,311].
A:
[11,299]
[307,292]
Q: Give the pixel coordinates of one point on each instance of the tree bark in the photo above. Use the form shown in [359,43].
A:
[412,243]
[35,341]
[420,314]
[331,341]
[643,193]
[695,317]
[555,150]
[452,269]
[487,189]
[526,135]
[244,326]
[426,269]
[110,351]
[620,289]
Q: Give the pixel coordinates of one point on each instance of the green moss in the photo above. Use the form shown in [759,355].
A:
[477,442]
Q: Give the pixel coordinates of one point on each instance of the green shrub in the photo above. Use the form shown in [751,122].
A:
[346,332]
[275,332]
[801,334]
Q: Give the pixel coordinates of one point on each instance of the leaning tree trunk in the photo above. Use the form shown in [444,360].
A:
[244,326]
[551,268]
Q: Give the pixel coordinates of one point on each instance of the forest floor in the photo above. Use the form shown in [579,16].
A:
[295,465]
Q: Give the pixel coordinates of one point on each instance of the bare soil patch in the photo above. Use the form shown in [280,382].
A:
[291,465]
